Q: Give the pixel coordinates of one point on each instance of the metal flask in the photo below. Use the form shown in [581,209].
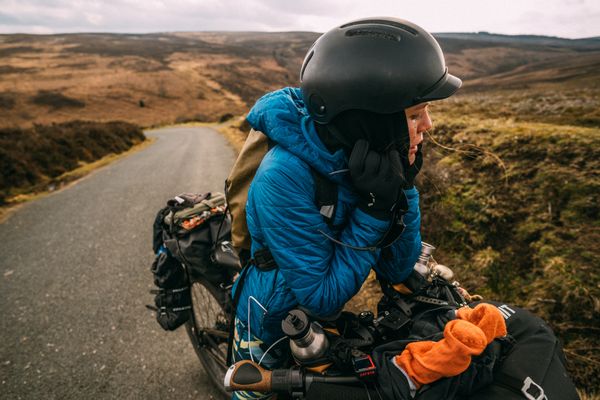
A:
[428,271]
[308,342]
[422,263]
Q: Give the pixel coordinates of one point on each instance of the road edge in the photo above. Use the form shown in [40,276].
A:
[67,180]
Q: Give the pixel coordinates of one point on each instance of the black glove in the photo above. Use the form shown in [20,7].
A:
[378,178]
[412,170]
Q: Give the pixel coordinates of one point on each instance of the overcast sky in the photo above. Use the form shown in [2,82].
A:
[564,18]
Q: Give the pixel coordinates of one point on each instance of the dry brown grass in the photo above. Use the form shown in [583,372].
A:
[185,77]
[202,76]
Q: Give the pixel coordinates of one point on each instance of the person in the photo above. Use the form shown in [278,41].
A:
[358,120]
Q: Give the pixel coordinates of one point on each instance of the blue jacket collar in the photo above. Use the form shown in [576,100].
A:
[282,116]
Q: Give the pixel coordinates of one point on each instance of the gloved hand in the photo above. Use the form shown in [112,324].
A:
[378,178]
[414,169]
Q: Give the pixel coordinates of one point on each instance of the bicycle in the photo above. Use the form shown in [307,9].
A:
[208,328]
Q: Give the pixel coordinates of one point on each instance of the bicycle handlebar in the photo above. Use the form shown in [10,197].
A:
[249,376]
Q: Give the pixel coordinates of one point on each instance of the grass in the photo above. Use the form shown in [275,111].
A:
[235,131]
[513,207]
[554,105]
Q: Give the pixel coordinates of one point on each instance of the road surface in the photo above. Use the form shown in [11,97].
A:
[75,276]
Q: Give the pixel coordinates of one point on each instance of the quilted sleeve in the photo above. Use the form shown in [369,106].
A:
[322,275]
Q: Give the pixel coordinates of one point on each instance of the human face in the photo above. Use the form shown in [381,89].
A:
[418,121]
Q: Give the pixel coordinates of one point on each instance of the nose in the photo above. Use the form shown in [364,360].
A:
[425,123]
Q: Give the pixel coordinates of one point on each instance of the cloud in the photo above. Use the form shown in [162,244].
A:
[570,18]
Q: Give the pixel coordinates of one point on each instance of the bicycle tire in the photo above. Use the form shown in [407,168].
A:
[208,330]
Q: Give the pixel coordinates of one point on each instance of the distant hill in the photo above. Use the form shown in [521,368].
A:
[175,77]
[591,43]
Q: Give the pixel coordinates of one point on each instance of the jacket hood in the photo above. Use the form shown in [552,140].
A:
[283,117]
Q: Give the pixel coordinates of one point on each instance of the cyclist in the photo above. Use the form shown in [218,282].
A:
[358,120]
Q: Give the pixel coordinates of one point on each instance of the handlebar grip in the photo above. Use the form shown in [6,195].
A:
[247,375]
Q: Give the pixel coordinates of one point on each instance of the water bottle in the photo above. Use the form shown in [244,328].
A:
[307,339]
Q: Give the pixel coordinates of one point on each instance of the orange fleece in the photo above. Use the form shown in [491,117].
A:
[426,362]
[487,317]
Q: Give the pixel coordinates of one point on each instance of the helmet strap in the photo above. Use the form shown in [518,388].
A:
[332,138]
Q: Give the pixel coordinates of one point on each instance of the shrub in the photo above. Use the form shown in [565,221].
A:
[183,119]
[7,100]
[56,100]
[30,157]
[225,117]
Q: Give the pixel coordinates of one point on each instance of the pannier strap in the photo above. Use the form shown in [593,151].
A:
[184,200]
[214,201]
[528,387]
[263,260]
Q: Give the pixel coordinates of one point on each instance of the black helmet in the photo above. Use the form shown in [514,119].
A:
[383,65]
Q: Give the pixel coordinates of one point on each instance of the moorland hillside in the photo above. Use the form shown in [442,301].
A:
[163,78]
[510,188]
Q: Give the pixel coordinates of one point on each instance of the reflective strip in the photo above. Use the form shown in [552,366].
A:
[506,311]
[528,383]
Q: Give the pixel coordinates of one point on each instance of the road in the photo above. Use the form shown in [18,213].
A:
[75,276]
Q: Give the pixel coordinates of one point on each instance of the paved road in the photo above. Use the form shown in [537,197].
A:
[74,279]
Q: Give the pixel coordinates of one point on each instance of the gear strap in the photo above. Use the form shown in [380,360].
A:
[234,304]
[326,196]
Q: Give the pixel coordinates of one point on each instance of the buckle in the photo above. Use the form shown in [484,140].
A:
[263,260]
[363,365]
[528,383]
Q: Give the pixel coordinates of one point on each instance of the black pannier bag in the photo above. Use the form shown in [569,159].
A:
[172,298]
[527,364]
[191,238]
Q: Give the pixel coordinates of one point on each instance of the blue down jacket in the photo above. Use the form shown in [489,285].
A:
[282,215]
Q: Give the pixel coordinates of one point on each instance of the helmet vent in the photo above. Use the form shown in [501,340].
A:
[382,22]
[305,64]
[378,33]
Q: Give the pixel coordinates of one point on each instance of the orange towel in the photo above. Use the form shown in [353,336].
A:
[487,317]
[425,362]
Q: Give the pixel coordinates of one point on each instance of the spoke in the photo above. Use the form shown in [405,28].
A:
[211,321]
[209,330]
